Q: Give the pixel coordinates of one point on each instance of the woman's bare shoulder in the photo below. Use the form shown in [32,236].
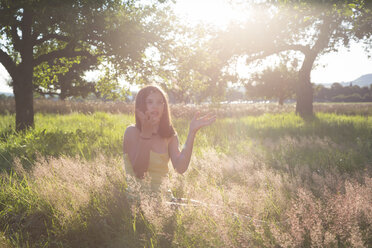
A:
[131,130]
[130,136]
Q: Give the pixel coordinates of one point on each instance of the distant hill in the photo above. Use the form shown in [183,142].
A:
[6,93]
[365,80]
[362,81]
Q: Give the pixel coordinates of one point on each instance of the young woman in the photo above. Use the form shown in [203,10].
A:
[152,141]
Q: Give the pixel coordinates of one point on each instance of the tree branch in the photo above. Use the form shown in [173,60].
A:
[50,37]
[26,24]
[41,92]
[8,63]
[301,48]
[15,37]
[324,35]
[67,52]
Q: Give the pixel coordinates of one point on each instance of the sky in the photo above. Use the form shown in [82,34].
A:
[342,66]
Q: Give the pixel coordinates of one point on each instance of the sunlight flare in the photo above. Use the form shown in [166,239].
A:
[216,12]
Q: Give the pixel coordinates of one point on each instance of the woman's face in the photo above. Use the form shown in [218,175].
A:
[155,105]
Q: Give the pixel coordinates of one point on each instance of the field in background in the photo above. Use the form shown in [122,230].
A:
[7,106]
[263,180]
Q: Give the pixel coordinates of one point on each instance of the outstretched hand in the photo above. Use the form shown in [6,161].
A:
[199,122]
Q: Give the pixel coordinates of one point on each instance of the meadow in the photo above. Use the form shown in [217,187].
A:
[260,176]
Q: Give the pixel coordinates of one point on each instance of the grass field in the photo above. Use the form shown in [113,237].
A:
[264,180]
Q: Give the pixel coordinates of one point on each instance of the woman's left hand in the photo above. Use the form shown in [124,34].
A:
[197,123]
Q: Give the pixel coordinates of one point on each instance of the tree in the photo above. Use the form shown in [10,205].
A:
[59,36]
[273,83]
[307,27]
[187,68]
[197,73]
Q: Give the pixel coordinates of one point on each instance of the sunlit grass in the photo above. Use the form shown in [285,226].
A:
[263,181]
[85,135]
[70,135]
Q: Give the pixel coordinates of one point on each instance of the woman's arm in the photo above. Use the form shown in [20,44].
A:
[138,148]
[138,144]
[181,159]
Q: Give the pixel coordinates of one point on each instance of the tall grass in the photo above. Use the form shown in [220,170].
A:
[56,135]
[272,180]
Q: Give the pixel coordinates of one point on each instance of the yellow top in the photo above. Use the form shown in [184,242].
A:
[157,171]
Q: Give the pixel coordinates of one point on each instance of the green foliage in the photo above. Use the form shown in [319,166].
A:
[273,83]
[46,76]
[87,135]
[99,36]
[186,64]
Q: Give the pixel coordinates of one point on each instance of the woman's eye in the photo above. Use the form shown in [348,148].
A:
[159,103]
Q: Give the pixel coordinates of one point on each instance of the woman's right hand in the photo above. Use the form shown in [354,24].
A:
[147,123]
[197,123]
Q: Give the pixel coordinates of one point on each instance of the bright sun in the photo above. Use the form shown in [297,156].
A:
[216,12]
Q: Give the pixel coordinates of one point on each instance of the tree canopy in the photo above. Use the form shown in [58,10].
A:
[273,83]
[49,43]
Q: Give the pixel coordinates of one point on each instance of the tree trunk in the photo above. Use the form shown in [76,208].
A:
[23,86]
[63,88]
[23,94]
[304,104]
[304,92]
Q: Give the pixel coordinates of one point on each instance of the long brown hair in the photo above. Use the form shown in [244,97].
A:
[166,129]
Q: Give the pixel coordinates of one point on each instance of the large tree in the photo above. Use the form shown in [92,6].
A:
[42,35]
[305,27]
[273,83]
